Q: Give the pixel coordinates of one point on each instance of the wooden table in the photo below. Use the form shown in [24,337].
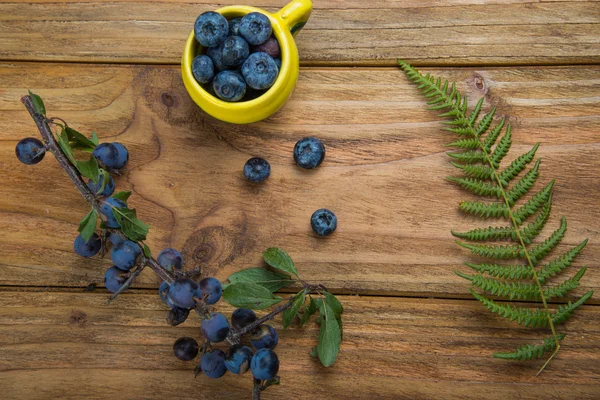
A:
[411,329]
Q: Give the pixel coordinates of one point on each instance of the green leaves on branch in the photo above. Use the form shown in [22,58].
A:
[38,104]
[87,225]
[330,334]
[280,260]
[131,226]
[270,280]
[290,313]
[249,295]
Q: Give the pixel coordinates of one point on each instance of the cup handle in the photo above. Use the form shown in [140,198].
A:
[295,14]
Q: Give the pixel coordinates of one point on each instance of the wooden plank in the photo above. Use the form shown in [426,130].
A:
[383,174]
[460,32]
[71,345]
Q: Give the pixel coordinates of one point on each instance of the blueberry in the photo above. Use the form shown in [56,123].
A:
[212,363]
[237,359]
[182,292]
[110,156]
[107,210]
[271,47]
[260,71]
[216,328]
[229,86]
[203,68]
[264,337]
[122,155]
[278,63]
[185,348]
[109,188]
[323,222]
[126,255]
[115,278]
[30,151]
[255,28]
[170,258]
[177,316]
[264,364]
[115,238]
[211,288]
[89,248]
[163,289]
[210,29]
[257,169]
[309,152]
[242,317]
[216,55]
[234,51]
[234,27]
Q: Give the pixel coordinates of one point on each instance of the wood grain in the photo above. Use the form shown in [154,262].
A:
[352,32]
[383,174]
[69,344]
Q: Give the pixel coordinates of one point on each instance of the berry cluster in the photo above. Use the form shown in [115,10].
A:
[309,153]
[241,57]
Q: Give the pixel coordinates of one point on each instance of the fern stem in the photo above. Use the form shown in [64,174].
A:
[459,112]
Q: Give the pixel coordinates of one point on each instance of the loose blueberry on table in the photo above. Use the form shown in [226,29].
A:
[323,222]
[257,169]
[309,152]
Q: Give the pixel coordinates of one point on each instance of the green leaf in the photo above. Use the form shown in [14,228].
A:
[131,226]
[272,281]
[63,143]
[280,260]
[38,104]
[89,169]
[147,252]
[290,313]
[105,177]
[308,311]
[249,295]
[527,352]
[78,140]
[330,336]
[334,303]
[94,139]
[123,195]
[87,225]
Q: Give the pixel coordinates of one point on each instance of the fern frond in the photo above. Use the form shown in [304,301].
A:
[566,286]
[504,271]
[531,207]
[512,290]
[476,171]
[490,233]
[490,251]
[491,137]
[559,264]
[475,113]
[478,186]
[517,165]
[527,352]
[485,210]
[485,122]
[538,252]
[521,188]
[463,143]
[469,157]
[501,149]
[462,131]
[534,318]
[534,228]
[565,311]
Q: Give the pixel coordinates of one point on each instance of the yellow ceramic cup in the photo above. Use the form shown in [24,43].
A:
[286,23]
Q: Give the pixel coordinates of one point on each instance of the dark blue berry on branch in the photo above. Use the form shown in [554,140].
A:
[30,151]
[185,348]
[210,290]
[89,248]
[242,317]
[264,364]
[237,359]
[170,259]
[215,328]
[126,255]
[264,337]
[212,363]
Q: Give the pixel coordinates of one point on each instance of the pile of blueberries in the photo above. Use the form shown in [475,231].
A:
[309,153]
[241,58]
[183,294]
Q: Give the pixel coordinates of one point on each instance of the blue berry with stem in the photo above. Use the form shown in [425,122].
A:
[264,337]
[211,28]
[210,290]
[182,292]
[109,187]
[237,359]
[107,210]
[255,28]
[110,156]
[234,51]
[264,364]
[260,71]
[185,348]
[89,248]
[323,222]
[229,86]
[257,169]
[203,68]
[170,259]
[30,151]
[234,26]
[115,278]
[216,328]
[177,315]
[309,152]
[242,317]
[126,255]
[122,155]
[212,363]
